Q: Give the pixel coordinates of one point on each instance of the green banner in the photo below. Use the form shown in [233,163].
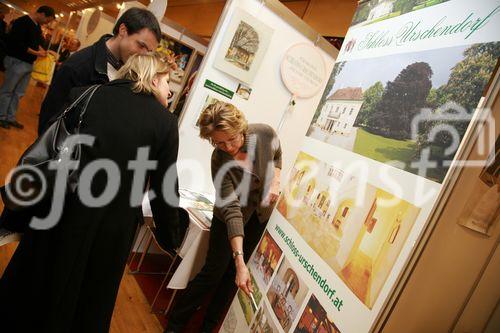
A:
[219,89]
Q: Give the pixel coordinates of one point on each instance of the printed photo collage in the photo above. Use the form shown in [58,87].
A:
[362,236]
[357,228]
[375,110]
[281,302]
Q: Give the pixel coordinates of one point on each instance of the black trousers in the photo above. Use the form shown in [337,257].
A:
[217,274]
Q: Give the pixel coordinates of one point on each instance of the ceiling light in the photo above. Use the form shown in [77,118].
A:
[61,15]
[100,8]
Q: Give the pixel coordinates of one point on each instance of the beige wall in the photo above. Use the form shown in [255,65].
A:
[200,19]
[328,17]
[448,290]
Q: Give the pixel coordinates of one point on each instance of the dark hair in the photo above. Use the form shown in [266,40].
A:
[136,19]
[47,11]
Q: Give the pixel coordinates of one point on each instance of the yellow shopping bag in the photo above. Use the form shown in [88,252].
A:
[43,68]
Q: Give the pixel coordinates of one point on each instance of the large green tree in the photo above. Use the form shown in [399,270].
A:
[371,97]
[436,98]
[402,99]
[469,77]
[466,85]
[362,13]
[404,6]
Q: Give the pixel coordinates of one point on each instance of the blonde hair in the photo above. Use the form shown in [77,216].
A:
[142,69]
[221,116]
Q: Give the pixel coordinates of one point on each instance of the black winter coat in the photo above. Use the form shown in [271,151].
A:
[84,68]
[66,279]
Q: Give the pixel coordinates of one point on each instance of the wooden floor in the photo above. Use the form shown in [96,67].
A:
[132,310]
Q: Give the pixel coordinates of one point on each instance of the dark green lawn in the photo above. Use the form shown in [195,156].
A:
[384,149]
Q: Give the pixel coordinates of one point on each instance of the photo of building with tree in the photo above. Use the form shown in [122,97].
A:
[443,81]
[340,110]
[379,10]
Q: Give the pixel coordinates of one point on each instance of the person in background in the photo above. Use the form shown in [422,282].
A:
[3,45]
[253,153]
[23,47]
[66,279]
[184,94]
[3,25]
[67,49]
[47,33]
[136,31]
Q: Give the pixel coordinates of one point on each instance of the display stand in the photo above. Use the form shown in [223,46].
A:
[267,96]
[373,175]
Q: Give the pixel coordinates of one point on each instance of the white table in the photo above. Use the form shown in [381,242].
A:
[193,252]
[193,249]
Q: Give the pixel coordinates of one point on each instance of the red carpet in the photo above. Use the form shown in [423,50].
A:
[149,284]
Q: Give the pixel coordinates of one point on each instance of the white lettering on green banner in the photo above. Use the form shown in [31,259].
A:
[219,89]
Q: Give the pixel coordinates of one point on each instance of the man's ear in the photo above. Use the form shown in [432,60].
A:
[122,30]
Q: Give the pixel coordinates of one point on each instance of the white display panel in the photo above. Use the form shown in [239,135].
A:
[268,100]
[357,200]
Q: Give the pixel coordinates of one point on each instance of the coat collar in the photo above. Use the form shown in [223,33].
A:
[121,82]
[101,59]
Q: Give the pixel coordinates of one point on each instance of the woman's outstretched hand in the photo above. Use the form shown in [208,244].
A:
[243,280]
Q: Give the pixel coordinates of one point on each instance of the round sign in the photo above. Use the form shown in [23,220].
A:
[303,70]
[158,8]
[93,21]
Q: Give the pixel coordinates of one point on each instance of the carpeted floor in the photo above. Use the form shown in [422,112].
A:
[149,284]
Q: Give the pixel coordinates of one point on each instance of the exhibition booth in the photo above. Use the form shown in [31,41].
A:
[387,220]
[374,140]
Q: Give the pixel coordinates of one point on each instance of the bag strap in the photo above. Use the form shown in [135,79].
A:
[84,110]
[89,90]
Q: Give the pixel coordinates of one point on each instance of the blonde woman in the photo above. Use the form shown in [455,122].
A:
[246,166]
[66,279]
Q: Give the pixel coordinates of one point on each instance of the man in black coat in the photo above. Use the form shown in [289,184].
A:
[136,31]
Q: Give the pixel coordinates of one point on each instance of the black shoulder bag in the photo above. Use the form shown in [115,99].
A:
[32,181]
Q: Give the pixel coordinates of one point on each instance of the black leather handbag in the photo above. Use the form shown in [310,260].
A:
[32,181]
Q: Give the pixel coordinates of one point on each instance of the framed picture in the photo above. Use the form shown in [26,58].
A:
[243,47]
[244,91]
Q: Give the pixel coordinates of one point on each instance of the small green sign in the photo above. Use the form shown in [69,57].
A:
[219,89]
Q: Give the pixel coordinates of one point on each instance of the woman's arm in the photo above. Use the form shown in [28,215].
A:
[242,280]
[233,217]
[227,202]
